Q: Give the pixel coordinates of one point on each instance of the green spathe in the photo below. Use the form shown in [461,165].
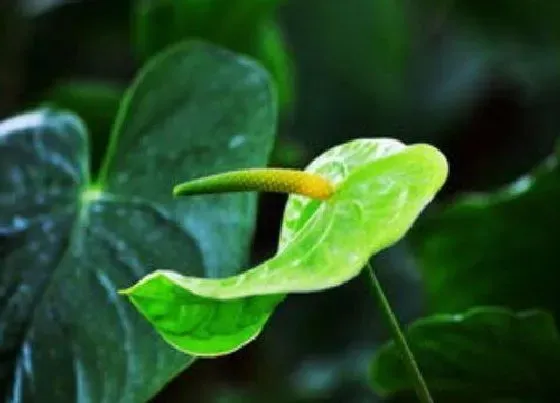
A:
[381,188]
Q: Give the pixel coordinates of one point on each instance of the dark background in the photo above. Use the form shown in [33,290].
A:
[480,80]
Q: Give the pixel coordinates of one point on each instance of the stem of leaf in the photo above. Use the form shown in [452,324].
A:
[410,362]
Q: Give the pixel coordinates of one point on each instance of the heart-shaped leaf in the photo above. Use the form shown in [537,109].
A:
[381,187]
[66,243]
[244,26]
[485,355]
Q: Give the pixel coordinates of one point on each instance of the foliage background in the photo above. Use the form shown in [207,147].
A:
[480,81]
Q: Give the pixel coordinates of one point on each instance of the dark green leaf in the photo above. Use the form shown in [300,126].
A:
[244,26]
[494,249]
[485,355]
[67,244]
[229,22]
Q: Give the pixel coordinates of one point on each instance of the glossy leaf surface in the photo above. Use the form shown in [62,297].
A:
[67,244]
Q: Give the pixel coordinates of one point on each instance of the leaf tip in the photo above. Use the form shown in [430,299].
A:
[437,159]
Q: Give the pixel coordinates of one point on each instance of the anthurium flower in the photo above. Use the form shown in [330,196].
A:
[350,203]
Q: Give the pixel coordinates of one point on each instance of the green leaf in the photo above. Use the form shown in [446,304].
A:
[97,103]
[228,22]
[244,26]
[382,186]
[494,248]
[67,244]
[487,354]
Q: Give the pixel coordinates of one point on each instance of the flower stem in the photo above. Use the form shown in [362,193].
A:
[410,362]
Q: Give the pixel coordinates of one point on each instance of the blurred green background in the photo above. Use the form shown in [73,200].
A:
[478,79]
